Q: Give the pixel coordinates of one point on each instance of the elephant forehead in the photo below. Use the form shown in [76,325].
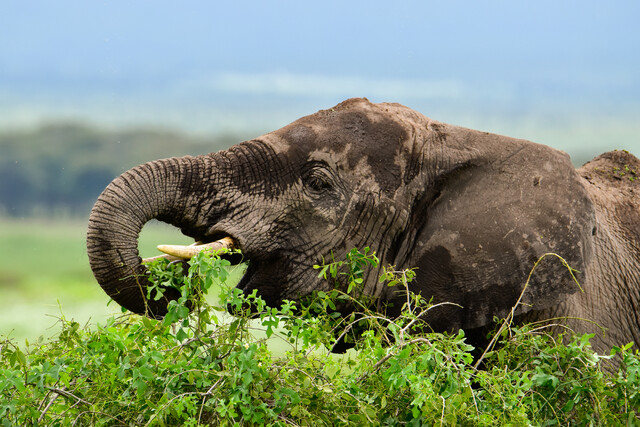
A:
[362,141]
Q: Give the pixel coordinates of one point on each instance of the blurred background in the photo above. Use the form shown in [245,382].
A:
[91,89]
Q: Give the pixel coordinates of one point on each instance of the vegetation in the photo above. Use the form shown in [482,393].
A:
[60,169]
[193,369]
[631,174]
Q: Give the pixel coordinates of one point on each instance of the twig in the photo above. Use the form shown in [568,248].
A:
[46,408]
[65,393]
[350,326]
[204,398]
[78,417]
[45,397]
[474,399]
[419,317]
[390,355]
[188,393]
[582,319]
[287,421]
[406,288]
[511,315]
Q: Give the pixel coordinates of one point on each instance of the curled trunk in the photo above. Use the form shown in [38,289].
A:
[159,189]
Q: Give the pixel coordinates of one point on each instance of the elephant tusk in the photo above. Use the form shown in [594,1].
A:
[167,257]
[180,253]
[188,252]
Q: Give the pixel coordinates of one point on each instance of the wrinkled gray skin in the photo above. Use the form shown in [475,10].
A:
[472,211]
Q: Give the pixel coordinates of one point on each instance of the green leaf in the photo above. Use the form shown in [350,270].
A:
[568,406]
[182,312]
[181,335]
[545,380]
[19,357]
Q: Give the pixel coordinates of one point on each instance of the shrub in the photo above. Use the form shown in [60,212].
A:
[193,369]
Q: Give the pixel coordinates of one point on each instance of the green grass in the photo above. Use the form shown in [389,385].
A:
[44,270]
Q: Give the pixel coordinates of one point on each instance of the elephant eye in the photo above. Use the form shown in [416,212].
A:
[318,184]
[317,180]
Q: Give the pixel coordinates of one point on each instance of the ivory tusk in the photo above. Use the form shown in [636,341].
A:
[188,252]
[167,257]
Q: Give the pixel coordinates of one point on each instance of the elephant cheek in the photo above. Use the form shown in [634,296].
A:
[470,291]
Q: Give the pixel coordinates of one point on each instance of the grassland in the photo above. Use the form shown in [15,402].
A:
[44,272]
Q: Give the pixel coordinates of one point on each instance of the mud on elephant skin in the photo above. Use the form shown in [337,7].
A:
[472,211]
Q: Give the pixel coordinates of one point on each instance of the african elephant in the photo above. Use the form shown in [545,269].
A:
[471,211]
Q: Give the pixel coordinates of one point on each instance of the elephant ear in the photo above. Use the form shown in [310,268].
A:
[492,207]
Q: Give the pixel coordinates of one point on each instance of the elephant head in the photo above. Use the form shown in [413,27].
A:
[471,211]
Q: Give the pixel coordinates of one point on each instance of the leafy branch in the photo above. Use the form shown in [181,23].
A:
[196,367]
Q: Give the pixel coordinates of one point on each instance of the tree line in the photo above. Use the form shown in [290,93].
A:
[60,169]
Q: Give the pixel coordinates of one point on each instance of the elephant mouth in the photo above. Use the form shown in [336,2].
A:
[186,253]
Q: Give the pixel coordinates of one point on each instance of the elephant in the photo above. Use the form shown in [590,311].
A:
[471,211]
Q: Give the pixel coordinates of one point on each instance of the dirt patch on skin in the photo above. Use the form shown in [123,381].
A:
[354,131]
[618,168]
[616,176]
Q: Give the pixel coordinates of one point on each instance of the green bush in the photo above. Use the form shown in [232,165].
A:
[193,369]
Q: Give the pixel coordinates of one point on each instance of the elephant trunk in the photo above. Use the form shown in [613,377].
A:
[162,189]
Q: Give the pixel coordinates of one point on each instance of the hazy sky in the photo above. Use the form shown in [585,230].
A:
[544,69]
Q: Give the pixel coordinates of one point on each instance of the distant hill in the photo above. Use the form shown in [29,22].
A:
[60,169]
